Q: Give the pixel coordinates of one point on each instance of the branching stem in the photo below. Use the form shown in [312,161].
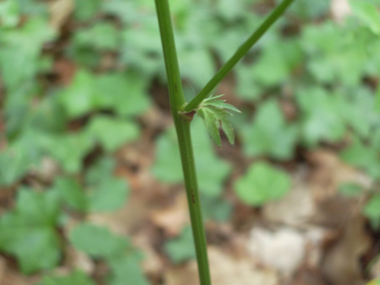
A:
[182,115]
[243,50]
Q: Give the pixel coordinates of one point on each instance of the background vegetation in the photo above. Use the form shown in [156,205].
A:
[90,173]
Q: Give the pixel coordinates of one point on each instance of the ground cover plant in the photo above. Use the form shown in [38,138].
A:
[90,175]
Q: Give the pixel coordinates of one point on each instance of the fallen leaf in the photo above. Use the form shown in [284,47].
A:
[225,270]
[297,207]
[60,11]
[152,263]
[79,260]
[283,249]
[340,9]
[341,264]
[328,173]
[10,276]
[173,218]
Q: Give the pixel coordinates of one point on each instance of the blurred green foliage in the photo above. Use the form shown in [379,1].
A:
[29,231]
[117,252]
[182,248]
[327,70]
[262,183]
[77,277]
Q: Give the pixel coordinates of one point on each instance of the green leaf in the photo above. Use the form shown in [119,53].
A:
[98,242]
[125,10]
[278,58]
[272,67]
[101,36]
[72,193]
[196,64]
[85,10]
[106,193]
[126,93]
[214,101]
[33,8]
[17,108]
[230,10]
[112,133]
[77,99]
[321,116]
[109,195]
[360,113]
[310,10]
[362,156]
[211,170]
[13,166]
[374,282]
[21,51]
[141,46]
[225,39]
[377,100]
[262,183]
[28,232]
[212,124]
[49,115]
[368,13]
[77,277]
[69,149]
[350,189]
[333,58]
[167,167]
[9,13]
[215,113]
[103,167]
[126,269]
[216,209]
[181,248]
[372,211]
[270,134]
[88,44]
[246,86]
[21,156]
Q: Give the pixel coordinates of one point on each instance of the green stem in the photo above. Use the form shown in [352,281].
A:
[243,49]
[182,124]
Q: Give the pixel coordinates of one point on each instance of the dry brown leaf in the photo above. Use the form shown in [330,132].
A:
[341,264]
[60,10]
[308,277]
[340,9]
[80,260]
[297,207]
[3,266]
[65,71]
[172,219]
[124,221]
[283,249]
[225,270]
[10,276]
[329,172]
[152,263]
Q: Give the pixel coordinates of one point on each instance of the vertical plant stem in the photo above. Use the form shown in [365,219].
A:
[182,125]
[243,49]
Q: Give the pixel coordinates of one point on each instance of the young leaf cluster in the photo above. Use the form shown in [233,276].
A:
[215,113]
